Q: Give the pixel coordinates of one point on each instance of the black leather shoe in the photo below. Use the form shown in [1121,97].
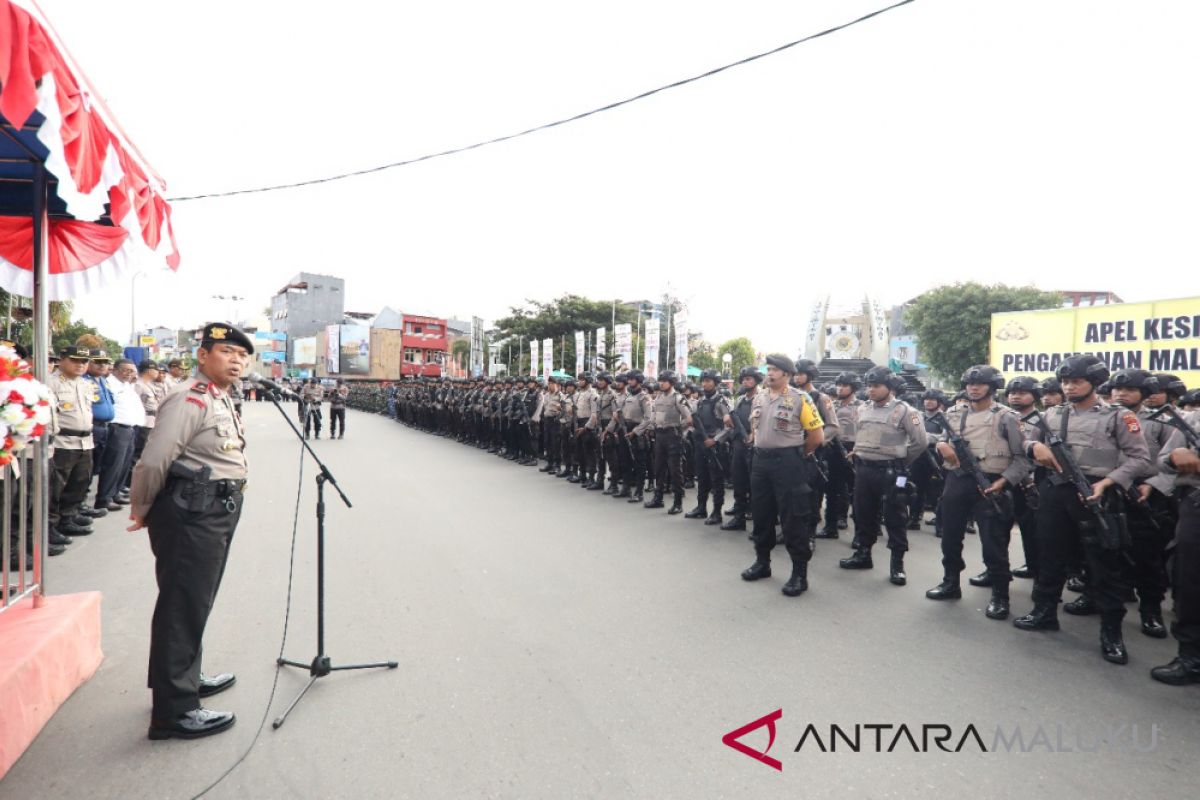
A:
[1112,644]
[1022,571]
[714,518]
[71,527]
[1076,584]
[574,479]
[1152,623]
[699,512]
[676,507]
[625,492]
[896,572]
[193,725]
[737,523]
[997,607]
[913,525]
[798,583]
[827,533]
[1081,606]
[595,486]
[654,502]
[945,591]
[51,550]
[58,538]
[982,579]
[95,513]
[216,684]
[860,560]
[736,511]
[757,571]
[1044,617]
[1180,672]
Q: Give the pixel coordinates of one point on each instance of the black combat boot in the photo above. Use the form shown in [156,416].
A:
[611,488]
[1152,622]
[626,491]
[913,524]
[700,511]
[1076,584]
[1180,672]
[948,589]
[897,575]
[860,560]
[548,468]
[735,523]
[827,533]
[637,496]
[576,476]
[761,568]
[1081,606]
[798,583]
[1112,644]
[997,607]
[738,510]
[677,506]
[982,579]
[655,502]
[1044,617]
[715,517]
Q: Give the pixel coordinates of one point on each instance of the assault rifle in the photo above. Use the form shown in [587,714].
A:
[1072,472]
[966,459]
[1174,420]
[699,423]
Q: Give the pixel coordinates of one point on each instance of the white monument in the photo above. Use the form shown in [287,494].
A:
[846,329]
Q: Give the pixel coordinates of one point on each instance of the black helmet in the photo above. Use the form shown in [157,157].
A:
[710,375]
[1171,384]
[936,395]
[750,372]
[829,389]
[636,375]
[1051,385]
[1141,379]
[1087,367]
[1191,398]
[1024,383]
[808,367]
[604,376]
[621,377]
[878,375]
[667,375]
[848,379]
[896,383]
[1104,389]
[983,373]
[584,376]
[569,382]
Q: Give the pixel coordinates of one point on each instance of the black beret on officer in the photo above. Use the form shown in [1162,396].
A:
[782,362]
[223,333]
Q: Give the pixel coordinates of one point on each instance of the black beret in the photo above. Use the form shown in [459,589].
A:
[782,362]
[224,333]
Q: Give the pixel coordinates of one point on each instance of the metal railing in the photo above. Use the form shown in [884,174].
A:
[24,529]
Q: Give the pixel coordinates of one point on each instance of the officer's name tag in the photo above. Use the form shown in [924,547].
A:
[901,481]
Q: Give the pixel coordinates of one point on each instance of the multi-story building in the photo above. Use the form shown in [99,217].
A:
[425,348]
[306,304]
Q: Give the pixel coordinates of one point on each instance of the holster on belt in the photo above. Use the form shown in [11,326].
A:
[191,488]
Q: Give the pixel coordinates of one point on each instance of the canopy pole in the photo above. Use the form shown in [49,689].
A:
[41,362]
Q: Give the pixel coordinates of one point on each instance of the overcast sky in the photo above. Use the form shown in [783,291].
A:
[1052,142]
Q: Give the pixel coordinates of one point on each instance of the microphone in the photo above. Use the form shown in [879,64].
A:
[270,384]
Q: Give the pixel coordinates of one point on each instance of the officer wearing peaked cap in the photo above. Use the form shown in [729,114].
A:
[187,490]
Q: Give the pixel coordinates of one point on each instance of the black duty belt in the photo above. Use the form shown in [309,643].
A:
[886,464]
[776,452]
[120,425]
[69,432]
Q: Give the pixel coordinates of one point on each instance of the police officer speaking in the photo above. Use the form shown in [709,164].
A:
[187,490]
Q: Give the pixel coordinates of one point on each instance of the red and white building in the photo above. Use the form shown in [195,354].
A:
[424,344]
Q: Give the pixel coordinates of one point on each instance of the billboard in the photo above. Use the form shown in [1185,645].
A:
[580,349]
[547,357]
[333,361]
[1160,336]
[652,341]
[355,350]
[304,351]
[623,335]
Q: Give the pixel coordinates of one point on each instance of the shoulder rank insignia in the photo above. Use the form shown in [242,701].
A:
[200,386]
[196,401]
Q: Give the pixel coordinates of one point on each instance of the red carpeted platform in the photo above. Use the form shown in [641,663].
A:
[45,654]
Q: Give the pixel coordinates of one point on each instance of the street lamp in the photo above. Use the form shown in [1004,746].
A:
[727,359]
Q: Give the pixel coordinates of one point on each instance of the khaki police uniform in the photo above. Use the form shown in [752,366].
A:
[889,437]
[337,410]
[669,414]
[587,419]
[71,430]
[1185,561]
[311,397]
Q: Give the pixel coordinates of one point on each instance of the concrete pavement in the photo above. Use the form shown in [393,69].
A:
[556,643]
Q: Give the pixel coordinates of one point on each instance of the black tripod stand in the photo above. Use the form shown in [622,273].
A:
[321,664]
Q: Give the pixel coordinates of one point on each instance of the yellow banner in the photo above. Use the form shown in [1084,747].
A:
[147,341]
[1161,336]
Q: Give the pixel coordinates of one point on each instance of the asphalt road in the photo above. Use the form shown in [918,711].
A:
[555,643]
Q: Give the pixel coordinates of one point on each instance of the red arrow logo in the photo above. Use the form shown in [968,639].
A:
[732,737]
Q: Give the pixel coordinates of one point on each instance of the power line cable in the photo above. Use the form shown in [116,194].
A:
[545,126]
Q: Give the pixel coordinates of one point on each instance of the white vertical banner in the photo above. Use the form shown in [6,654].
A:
[681,344]
[652,335]
[533,357]
[623,341]
[547,357]
[580,348]
[601,348]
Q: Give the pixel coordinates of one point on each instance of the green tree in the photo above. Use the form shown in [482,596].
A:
[700,352]
[953,323]
[460,351]
[558,319]
[743,354]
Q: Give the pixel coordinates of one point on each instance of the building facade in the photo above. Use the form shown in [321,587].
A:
[424,341]
[306,304]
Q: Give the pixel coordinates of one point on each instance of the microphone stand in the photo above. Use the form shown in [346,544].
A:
[321,665]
